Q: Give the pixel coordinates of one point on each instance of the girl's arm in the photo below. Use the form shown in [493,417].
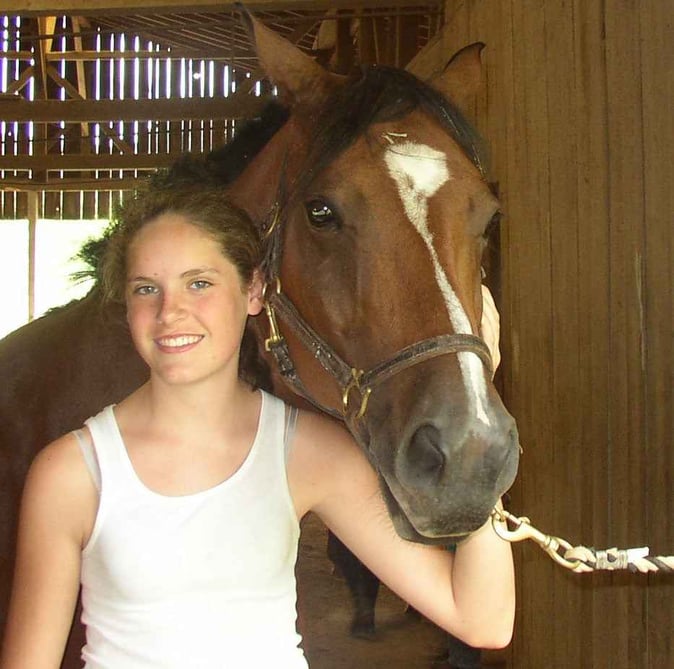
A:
[469,593]
[57,511]
[490,326]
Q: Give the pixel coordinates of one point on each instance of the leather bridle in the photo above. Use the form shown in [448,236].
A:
[355,385]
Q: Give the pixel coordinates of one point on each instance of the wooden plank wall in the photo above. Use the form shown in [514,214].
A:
[577,110]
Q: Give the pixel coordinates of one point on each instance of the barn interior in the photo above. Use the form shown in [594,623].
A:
[576,108]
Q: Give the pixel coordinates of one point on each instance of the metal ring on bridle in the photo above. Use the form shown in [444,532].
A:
[354,383]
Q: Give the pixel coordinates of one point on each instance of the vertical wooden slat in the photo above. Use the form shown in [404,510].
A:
[20,205]
[593,293]
[626,419]
[71,206]
[366,40]
[657,80]
[104,204]
[565,445]
[33,210]
[408,32]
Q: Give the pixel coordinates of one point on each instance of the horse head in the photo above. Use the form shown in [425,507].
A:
[376,209]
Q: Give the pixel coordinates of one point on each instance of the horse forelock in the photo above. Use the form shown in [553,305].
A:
[381,94]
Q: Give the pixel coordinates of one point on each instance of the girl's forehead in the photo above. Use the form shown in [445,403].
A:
[169,224]
[173,232]
[172,237]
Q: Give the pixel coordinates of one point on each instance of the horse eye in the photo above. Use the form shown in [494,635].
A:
[320,214]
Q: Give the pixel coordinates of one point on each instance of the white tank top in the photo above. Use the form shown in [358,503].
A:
[201,581]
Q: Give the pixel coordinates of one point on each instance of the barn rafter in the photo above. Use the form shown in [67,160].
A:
[96,99]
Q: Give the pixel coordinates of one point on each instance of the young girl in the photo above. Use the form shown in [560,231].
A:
[177,510]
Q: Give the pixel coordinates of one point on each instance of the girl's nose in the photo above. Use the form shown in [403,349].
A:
[171,308]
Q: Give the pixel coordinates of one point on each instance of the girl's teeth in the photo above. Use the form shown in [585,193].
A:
[178,341]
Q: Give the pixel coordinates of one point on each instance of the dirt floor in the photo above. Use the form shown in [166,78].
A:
[325,611]
[402,641]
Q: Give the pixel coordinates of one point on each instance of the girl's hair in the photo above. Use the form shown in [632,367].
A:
[205,206]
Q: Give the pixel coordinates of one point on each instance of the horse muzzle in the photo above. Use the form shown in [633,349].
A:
[446,476]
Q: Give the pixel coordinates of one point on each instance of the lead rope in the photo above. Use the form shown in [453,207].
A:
[579,559]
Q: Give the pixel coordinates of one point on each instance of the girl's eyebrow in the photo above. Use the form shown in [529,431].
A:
[199,270]
[138,279]
[185,275]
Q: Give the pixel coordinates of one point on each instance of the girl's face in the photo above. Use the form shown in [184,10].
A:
[186,304]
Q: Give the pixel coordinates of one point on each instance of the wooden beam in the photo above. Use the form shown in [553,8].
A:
[16,85]
[89,161]
[90,184]
[77,22]
[163,54]
[56,7]
[45,26]
[92,111]
[91,55]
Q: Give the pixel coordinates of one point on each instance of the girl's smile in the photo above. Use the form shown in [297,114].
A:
[177,343]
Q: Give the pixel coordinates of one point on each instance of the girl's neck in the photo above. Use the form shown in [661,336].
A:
[210,405]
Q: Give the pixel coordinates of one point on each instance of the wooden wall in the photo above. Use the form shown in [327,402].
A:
[578,112]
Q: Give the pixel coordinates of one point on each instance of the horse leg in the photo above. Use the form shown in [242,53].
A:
[362,583]
[459,656]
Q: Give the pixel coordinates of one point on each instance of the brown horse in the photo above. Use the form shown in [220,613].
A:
[375,210]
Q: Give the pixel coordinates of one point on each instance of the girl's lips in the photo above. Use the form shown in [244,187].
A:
[177,343]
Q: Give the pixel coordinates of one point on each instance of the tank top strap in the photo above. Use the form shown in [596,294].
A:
[89,454]
[290,425]
[109,448]
[277,427]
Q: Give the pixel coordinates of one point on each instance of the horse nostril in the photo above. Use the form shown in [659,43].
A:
[424,455]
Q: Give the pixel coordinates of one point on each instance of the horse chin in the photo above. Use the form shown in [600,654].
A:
[406,529]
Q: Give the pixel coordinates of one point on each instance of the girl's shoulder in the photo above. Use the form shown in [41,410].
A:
[324,458]
[60,459]
[59,482]
[320,435]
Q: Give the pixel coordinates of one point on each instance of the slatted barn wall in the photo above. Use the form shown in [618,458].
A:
[107,79]
[578,112]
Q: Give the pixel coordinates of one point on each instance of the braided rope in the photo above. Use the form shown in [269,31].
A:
[580,559]
[635,560]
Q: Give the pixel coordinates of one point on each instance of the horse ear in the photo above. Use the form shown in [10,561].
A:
[301,81]
[462,76]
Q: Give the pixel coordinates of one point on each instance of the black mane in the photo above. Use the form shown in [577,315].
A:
[222,166]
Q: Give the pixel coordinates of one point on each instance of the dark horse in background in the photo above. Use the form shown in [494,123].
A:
[374,206]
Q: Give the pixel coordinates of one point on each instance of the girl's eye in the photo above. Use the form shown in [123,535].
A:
[144,290]
[201,284]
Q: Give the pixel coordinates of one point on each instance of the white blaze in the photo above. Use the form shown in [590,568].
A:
[419,171]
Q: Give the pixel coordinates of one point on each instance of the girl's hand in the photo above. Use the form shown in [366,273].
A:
[491,326]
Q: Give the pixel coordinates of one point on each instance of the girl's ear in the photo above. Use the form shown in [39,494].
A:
[255,298]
